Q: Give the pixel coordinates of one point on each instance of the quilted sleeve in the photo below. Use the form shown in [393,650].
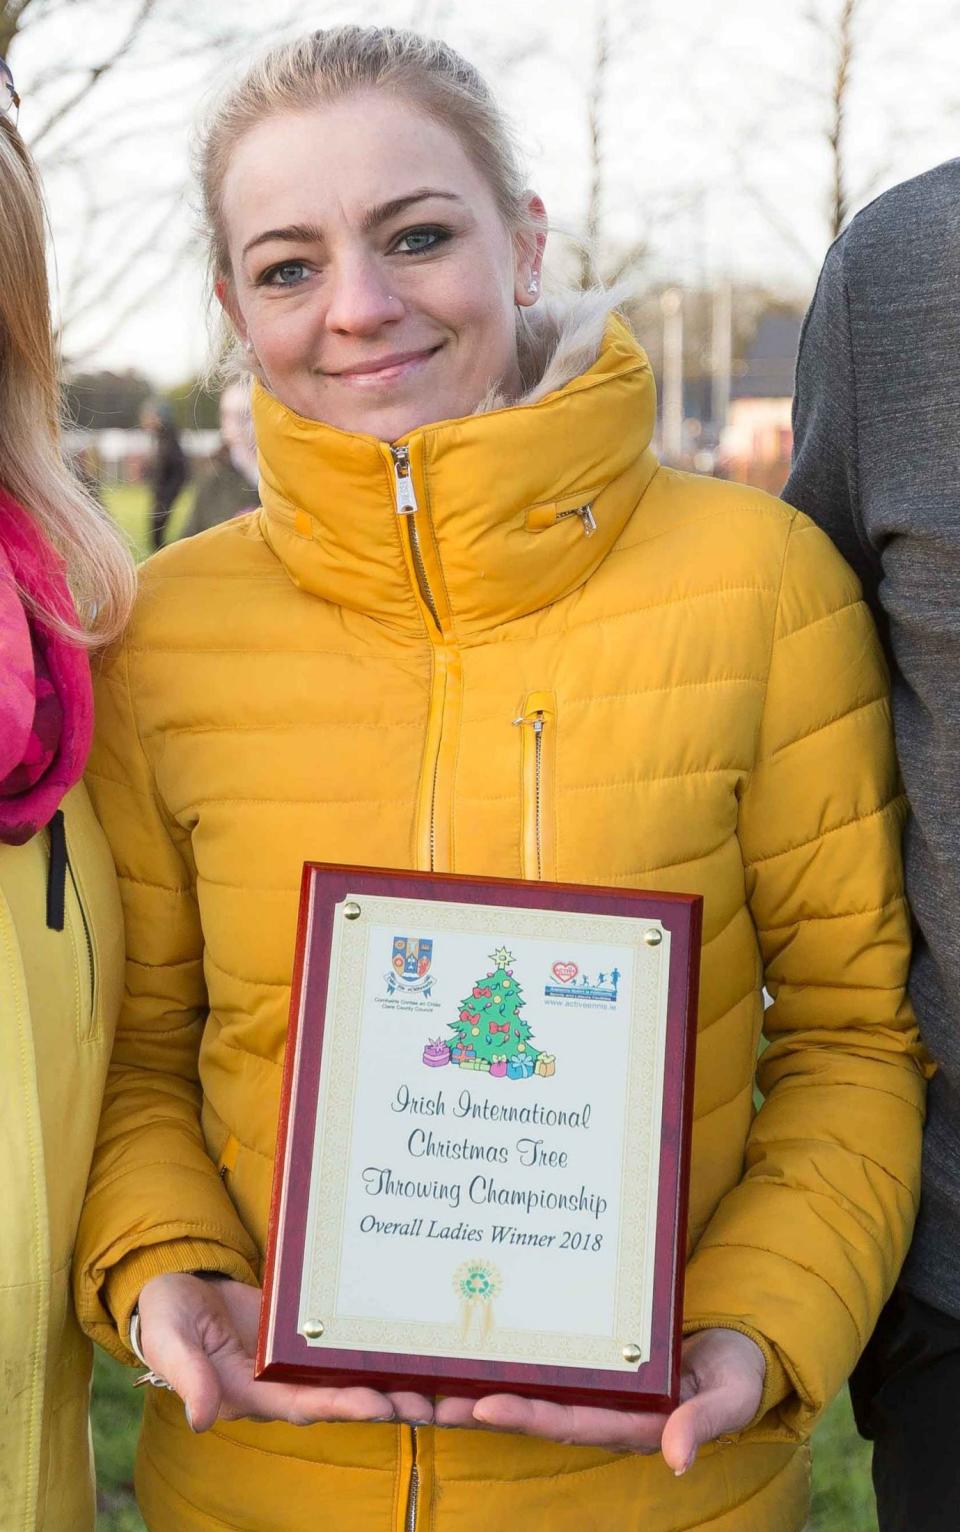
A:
[155,1202]
[804,1251]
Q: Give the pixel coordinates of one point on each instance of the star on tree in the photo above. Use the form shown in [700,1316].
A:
[502,957]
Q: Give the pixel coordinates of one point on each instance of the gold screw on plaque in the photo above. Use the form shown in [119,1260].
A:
[352,911]
[313,1329]
[632,1353]
[653,937]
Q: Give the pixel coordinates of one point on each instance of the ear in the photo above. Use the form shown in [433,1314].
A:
[530,244]
[227,299]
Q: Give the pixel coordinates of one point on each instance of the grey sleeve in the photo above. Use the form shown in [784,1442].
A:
[824,479]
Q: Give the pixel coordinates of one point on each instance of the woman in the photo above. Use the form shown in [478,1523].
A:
[463,527]
[65,587]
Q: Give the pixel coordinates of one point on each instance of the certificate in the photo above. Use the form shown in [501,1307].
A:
[481,1176]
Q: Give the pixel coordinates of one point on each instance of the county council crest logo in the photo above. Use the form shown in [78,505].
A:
[410,966]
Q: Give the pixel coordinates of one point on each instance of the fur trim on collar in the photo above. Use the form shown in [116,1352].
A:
[558,339]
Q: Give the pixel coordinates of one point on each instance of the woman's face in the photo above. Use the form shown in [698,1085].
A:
[373,276]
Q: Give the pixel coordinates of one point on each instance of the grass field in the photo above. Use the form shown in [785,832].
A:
[842,1497]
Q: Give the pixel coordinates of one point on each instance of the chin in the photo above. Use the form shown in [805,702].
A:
[387,423]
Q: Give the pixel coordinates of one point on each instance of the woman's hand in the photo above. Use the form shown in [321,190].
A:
[201,1337]
[720,1387]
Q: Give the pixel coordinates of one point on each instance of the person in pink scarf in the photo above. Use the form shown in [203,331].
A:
[66,583]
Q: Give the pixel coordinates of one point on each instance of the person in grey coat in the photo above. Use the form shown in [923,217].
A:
[877,464]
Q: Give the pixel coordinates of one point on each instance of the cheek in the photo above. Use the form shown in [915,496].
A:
[283,332]
[479,307]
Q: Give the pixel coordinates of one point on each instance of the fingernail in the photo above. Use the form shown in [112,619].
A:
[186,1411]
[688,1464]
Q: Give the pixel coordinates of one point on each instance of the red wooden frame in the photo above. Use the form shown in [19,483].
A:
[288,1356]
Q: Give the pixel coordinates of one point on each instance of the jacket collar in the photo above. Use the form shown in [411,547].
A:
[499,536]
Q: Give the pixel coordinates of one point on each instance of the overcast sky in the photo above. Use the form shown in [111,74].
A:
[712,133]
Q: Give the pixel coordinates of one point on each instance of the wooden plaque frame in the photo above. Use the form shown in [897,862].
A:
[283,1353]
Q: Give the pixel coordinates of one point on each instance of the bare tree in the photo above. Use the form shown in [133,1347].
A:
[118,76]
[840,33]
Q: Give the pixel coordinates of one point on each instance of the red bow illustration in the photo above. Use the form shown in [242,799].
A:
[499,1026]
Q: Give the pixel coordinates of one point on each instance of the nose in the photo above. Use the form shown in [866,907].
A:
[360,302]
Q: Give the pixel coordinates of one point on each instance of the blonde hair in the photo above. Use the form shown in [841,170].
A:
[99,568]
[325,66]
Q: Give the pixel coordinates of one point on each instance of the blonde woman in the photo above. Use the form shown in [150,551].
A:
[465,535]
[65,587]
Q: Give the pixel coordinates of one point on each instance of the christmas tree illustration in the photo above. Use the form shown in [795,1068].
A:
[490,1028]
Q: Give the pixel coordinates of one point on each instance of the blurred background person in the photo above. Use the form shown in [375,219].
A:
[66,584]
[168,471]
[230,484]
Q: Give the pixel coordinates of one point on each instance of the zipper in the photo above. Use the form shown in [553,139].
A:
[537,719]
[86,934]
[414,1492]
[585,512]
[407,505]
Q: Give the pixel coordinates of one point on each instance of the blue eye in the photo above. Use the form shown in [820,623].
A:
[286,274]
[418,241]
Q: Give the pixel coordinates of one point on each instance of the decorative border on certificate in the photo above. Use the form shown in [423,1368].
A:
[623,1206]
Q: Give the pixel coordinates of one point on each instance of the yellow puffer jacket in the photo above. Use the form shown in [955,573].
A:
[326,679]
[59,997]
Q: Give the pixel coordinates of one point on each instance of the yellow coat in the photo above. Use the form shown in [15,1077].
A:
[326,679]
[59,996]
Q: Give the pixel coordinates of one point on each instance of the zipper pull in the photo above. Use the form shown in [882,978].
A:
[589,520]
[406,498]
[536,721]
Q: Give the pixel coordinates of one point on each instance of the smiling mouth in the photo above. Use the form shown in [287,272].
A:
[385,369]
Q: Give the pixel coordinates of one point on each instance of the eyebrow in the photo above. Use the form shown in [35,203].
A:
[309,233]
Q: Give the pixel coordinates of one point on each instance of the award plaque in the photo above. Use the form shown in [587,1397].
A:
[483,1154]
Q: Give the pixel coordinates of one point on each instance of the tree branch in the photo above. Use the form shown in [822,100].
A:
[94,75]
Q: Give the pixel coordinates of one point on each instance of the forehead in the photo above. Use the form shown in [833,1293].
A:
[330,163]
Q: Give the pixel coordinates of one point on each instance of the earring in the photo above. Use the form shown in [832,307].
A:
[248,345]
[533,285]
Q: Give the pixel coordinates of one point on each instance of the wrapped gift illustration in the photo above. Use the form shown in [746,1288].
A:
[520,1067]
[436,1053]
[546,1064]
[498,1065]
[478,1064]
[462,1052]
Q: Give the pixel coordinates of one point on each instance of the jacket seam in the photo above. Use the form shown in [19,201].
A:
[873,909]
[837,611]
[643,872]
[725,1244]
[249,1053]
[239,978]
[813,1191]
[829,723]
[821,835]
[789,1083]
[481,721]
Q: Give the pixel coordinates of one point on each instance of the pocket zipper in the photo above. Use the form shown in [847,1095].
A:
[87,935]
[537,719]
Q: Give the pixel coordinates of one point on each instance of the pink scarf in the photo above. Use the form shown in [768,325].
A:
[46,699]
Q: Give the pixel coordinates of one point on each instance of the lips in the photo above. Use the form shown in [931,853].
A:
[383,368]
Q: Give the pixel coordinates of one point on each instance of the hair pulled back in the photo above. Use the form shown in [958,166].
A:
[325,66]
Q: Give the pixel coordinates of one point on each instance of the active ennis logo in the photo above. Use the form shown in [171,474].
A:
[566,981]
